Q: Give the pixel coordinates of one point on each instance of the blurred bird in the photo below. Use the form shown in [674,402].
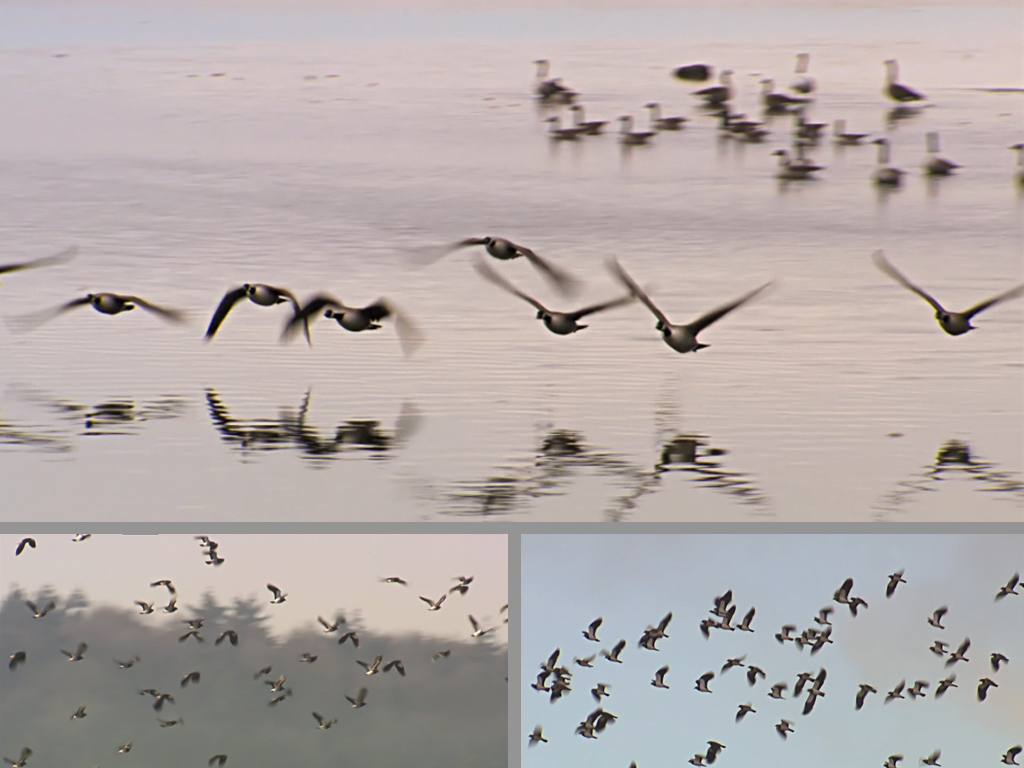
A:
[324,724]
[434,605]
[257,293]
[77,655]
[230,635]
[18,657]
[279,596]
[38,614]
[895,91]
[895,579]
[537,736]
[24,543]
[359,700]
[953,323]
[191,677]
[47,261]
[105,303]
[349,636]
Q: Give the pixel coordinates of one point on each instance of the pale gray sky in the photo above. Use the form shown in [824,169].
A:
[320,573]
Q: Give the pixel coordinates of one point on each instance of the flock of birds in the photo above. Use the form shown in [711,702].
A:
[716,100]
[680,337]
[556,680]
[278,689]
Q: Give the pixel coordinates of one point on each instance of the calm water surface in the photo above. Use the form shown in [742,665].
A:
[325,167]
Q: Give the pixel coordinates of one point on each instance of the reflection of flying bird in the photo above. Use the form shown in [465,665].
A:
[953,323]
[682,338]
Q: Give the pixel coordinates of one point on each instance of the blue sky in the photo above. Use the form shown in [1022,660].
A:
[632,581]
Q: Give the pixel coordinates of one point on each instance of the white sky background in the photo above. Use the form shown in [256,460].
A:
[320,573]
[633,581]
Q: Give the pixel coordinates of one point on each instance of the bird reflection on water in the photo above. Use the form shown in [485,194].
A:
[563,455]
[115,416]
[954,460]
[291,430]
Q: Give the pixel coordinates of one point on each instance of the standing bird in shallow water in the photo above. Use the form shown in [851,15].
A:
[953,323]
[886,175]
[561,323]
[682,338]
[257,293]
[894,90]
[504,250]
[355,319]
[717,95]
[934,165]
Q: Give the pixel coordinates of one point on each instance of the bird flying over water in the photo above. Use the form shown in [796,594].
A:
[953,323]
[257,293]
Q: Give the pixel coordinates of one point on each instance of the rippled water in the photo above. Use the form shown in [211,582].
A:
[182,172]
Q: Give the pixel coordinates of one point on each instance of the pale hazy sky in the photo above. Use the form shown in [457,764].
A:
[320,573]
[633,581]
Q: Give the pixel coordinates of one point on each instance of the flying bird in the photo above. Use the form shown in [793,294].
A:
[146,607]
[862,693]
[944,684]
[371,668]
[892,760]
[77,655]
[745,625]
[105,303]
[397,664]
[126,664]
[279,596]
[743,711]
[997,659]
[537,736]
[191,633]
[191,677]
[125,748]
[477,630]
[777,689]
[219,759]
[591,632]
[463,586]
[440,655]
[355,319]
[230,635]
[80,713]
[682,338]
[895,579]
[1010,757]
[358,701]
[331,627]
[38,614]
[953,323]
[932,759]
[753,672]
[960,653]
[24,543]
[561,323]
[324,724]
[896,693]
[702,682]
[712,751]
[616,650]
[659,677]
[784,728]
[165,583]
[435,605]
[18,657]
[308,658]
[1009,589]
[936,619]
[395,580]
[349,636]
[172,606]
[504,250]
[983,685]
[257,293]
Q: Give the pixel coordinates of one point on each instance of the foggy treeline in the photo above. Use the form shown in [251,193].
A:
[449,713]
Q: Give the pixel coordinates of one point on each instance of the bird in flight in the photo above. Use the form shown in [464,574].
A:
[279,596]
[24,543]
[682,338]
[257,293]
[359,700]
[953,323]
[435,605]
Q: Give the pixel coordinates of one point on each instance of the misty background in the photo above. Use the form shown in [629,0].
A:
[448,712]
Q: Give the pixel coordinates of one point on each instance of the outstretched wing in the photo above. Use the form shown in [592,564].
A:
[493,277]
[311,308]
[565,283]
[1013,293]
[714,315]
[22,323]
[636,290]
[579,313]
[883,264]
[46,261]
[173,315]
[231,298]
